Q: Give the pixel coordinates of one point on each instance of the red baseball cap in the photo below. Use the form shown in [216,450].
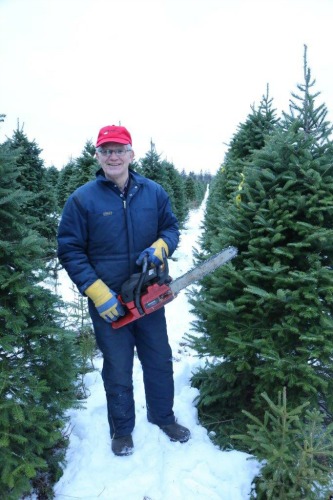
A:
[112,133]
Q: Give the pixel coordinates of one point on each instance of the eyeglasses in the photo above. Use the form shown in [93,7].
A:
[118,152]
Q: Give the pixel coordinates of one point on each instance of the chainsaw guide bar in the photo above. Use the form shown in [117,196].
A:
[200,271]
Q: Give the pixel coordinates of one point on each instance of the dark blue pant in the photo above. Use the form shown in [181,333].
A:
[149,335]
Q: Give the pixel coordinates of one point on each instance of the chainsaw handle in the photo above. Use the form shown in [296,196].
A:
[162,272]
[137,295]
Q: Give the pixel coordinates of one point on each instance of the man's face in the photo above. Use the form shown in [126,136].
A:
[114,158]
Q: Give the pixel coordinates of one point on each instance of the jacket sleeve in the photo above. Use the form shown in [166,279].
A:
[168,224]
[72,244]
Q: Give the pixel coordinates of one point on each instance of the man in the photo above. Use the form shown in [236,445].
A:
[107,227]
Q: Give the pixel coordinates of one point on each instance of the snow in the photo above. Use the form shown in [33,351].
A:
[159,469]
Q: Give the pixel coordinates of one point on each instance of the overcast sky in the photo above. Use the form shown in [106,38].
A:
[183,73]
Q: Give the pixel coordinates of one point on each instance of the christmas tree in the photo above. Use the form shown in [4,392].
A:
[265,319]
[38,364]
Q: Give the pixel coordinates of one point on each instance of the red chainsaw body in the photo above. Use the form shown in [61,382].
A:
[154,297]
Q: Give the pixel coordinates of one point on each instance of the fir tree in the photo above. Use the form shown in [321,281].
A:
[195,188]
[267,316]
[311,118]
[295,448]
[250,136]
[177,191]
[212,217]
[184,191]
[41,209]
[85,167]
[151,167]
[64,185]
[76,172]
[38,365]
[52,178]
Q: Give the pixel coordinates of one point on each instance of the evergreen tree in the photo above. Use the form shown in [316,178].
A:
[195,188]
[200,189]
[212,218]
[267,316]
[76,172]
[85,167]
[38,365]
[177,191]
[185,191]
[42,207]
[295,448]
[64,185]
[151,167]
[304,110]
[250,136]
[135,165]
[205,177]
[190,189]
[52,178]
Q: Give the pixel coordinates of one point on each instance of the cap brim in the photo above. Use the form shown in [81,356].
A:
[116,141]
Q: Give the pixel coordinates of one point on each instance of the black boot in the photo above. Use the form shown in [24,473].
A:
[122,446]
[176,432]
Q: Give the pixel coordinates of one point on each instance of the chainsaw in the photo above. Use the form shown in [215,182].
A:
[145,292]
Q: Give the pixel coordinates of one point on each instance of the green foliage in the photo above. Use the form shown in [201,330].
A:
[52,179]
[79,322]
[295,448]
[226,187]
[37,356]
[303,108]
[185,192]
[151,167]
[266,319]
[64,184]
[176,191]
[76,172]
[41,209]
[85,167]
[252,134]
[195,188]
[213,215]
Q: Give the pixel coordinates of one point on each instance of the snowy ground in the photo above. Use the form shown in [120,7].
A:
[158,469]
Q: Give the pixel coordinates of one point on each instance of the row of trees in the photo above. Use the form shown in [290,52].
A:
[46,346]
[38,361]
[265,320]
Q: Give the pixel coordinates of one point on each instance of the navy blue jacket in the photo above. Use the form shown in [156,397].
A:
[101,233]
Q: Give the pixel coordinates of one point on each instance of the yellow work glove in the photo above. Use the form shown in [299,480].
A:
[154,253]
[105,300]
